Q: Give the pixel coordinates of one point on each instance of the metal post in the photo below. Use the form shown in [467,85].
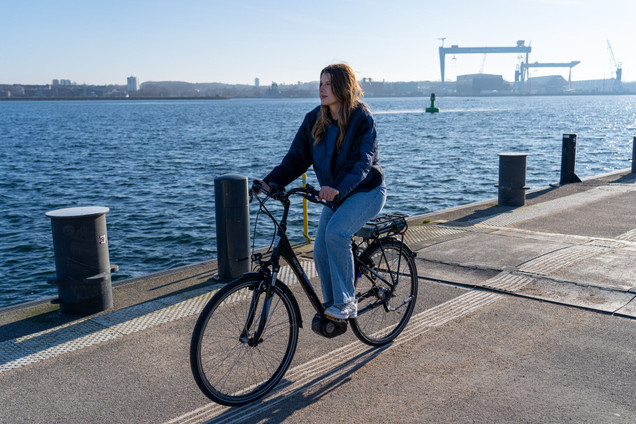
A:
[306,215]
[634,156]
[512,179]
[232,226]
[82,264]
[568,160]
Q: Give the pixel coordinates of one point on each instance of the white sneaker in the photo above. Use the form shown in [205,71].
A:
[346,311]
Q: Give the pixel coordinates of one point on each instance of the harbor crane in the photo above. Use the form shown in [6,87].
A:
[616,67]
[455,49]
[524,68]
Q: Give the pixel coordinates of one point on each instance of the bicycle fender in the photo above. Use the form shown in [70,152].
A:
[408,250]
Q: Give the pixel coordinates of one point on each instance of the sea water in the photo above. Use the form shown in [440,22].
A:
[153,163]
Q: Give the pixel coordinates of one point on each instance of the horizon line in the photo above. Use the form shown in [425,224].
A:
[296,83]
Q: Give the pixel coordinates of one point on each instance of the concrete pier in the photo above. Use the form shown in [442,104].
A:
[525,314]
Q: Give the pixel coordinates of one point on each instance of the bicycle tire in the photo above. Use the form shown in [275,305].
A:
[390,260]
[227,369]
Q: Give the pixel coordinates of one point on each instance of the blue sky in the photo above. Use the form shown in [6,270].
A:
[103,42]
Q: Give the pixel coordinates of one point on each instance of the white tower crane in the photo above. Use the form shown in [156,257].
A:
[616,67]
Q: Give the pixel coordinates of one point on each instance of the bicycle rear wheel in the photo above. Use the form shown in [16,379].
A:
[386,289]
[228,366]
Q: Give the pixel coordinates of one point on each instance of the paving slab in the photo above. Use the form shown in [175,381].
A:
[610,269]
[489,251]
[629,309]
[588,297]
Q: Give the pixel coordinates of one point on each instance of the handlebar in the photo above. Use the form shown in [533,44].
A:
[278,192]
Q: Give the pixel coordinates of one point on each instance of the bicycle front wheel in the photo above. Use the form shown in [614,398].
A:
[386,289]
[229,366]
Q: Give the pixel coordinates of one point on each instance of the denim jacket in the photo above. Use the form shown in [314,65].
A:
[353,168]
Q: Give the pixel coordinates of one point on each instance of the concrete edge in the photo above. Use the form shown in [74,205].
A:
[494,200]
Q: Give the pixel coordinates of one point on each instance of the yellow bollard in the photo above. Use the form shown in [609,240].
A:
[306,215]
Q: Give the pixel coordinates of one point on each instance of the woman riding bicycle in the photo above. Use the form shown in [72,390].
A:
[338,138]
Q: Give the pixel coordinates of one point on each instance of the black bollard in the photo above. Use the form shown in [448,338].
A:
[568,160]
[82,264]
[634,156]
[512,179]
[232,226]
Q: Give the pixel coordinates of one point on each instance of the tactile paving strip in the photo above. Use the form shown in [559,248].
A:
[628,236]
[551,262]
[91,331]
[417,234]
[87,332]
[286,275]
[48,344]
[508,282]
[607,243]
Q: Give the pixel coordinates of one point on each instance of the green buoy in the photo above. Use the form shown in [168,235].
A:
[432,109]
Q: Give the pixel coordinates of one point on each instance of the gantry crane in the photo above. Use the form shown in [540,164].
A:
[524,68]
[454,49]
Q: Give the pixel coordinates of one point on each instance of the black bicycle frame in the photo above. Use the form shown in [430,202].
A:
[282,248]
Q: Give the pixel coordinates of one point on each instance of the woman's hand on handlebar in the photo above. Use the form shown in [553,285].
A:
[259,185]
[327,193]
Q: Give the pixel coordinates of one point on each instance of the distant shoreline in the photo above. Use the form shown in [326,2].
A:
[283,97]
[114,98]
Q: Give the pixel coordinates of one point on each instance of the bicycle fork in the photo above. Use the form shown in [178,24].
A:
[268,290]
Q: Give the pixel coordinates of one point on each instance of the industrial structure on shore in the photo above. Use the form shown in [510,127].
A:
[484,84]
[476,84]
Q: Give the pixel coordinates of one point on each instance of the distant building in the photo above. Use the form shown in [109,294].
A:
[274,91]
[593,86]
[11,90]
[550,84]
[257,82]
[56,82]
[132,84]
[476,84]
[377,89]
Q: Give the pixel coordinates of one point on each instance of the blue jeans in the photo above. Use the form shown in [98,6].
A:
[332,249]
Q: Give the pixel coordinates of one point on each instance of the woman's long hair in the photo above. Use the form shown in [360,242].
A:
[348,92]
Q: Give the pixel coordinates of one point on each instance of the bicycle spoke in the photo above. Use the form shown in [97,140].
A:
[387,292]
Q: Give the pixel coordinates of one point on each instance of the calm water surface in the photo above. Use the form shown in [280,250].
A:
[153,163]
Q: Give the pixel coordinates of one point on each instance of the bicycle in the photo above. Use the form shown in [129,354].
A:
[245,337]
